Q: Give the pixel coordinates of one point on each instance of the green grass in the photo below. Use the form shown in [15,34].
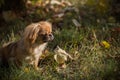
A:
[91,63]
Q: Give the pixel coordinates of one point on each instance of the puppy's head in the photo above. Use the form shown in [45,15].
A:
[40,32]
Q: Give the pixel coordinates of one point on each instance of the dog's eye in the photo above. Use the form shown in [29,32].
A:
[43,34]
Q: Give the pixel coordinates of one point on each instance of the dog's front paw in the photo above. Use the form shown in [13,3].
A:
[38,69]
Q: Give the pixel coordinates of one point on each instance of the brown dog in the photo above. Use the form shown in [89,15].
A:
[29,48]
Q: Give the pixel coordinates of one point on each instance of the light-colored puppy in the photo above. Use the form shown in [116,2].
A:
[61,56]
[29,48]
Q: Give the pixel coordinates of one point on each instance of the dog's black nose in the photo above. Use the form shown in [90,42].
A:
[50,35]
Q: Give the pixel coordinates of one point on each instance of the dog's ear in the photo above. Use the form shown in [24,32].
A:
[31,32]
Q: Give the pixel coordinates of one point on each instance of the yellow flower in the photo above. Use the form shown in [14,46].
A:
[105,44]
[26,69]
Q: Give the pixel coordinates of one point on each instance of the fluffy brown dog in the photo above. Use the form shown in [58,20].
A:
[29,48]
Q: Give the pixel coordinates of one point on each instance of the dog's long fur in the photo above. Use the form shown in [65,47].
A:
[29,48]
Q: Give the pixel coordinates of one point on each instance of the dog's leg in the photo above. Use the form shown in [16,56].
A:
[36,63]
[17,63]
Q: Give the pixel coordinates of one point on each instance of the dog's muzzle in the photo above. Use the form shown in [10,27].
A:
[48,37]
[51,37]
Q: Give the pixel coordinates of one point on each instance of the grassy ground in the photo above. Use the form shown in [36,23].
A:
[92,62]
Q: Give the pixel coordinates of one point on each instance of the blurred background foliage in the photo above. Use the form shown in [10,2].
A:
[91,9]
